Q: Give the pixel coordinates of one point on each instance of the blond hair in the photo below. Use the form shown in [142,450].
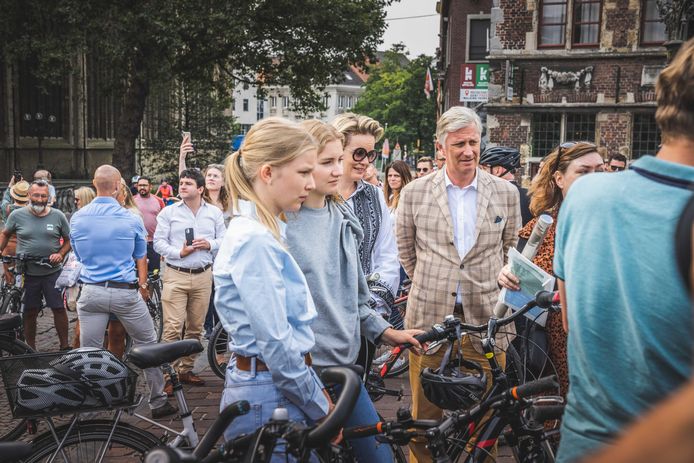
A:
[675,96]
[349,124]
[323,134]
[456,118]
[273,141]
[129,202]
[85,194]
[544,192]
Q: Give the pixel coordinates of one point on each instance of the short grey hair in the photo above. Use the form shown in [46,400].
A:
[456,118]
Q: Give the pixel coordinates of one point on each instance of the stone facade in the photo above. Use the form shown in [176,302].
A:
[541,96]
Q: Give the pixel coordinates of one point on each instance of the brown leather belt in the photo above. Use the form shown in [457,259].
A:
[190,270]
[245,363]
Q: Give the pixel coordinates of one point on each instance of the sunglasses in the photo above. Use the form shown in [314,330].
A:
[616,168]
[422,169]
[359,154]
[565,146]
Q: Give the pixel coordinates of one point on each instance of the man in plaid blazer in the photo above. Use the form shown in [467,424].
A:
[453,230]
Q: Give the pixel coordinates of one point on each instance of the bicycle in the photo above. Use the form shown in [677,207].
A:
[11,345]
[98,440]
[513,405]
[487,432]
[14,294]
[154,286]
[397,319]
[303,442]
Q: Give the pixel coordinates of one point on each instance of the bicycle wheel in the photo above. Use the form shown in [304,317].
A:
[12,302]
[218,354]
[156,311]
[382,354]
[86,439]
[10,428]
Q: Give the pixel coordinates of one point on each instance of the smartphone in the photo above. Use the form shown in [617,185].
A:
[186,135]
[190,236]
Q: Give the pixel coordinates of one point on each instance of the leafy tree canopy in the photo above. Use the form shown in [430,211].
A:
[395,96]
[300,43]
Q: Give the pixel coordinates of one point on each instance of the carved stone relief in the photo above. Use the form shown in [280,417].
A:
[579,80]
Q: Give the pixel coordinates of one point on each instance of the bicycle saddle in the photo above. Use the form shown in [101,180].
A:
[154,355]
[10,321]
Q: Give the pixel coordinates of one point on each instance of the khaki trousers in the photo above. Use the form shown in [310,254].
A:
[422,409]
[185,298]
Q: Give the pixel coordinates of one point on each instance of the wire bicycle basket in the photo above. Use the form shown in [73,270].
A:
[59,383]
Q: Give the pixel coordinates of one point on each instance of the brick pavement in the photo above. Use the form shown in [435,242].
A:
[204,401]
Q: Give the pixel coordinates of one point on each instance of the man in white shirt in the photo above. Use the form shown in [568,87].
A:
[188,275]
[453,229]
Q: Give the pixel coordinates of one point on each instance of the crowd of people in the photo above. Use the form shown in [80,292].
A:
[298,249]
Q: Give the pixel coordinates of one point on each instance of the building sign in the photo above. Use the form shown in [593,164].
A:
[474,82]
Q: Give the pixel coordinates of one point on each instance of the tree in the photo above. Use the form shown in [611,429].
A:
[395,96]
[207,43]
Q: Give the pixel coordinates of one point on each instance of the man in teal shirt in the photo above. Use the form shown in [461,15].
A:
[627,311]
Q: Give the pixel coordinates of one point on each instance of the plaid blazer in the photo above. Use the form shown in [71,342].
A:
[424,232]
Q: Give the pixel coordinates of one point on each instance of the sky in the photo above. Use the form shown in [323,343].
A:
[420,35]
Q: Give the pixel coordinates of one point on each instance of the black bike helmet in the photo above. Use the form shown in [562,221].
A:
[508,158]
[450,388]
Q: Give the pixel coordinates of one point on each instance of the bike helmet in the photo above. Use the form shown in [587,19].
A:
[508,158]
[450,388]
[105,375]
[47,388]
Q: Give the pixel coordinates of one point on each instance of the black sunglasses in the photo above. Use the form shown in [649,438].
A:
[565,146]
[360,153]
[616,168]
[422,169]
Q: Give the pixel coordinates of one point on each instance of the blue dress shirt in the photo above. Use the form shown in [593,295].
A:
[106,238]
[264,303]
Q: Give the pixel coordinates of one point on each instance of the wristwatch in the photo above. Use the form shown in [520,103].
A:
[143,286]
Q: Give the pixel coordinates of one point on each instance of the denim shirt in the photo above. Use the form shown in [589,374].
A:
[264,303]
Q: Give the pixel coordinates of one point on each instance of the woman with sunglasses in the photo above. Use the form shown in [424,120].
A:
[562,167]
[378,252]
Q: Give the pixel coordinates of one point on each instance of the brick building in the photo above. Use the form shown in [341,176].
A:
[564,70]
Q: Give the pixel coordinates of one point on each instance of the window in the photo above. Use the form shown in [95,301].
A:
[553,23]
[260,109]
[341,101]
[546,133]
[652,27]
[350,101]
[245,104]
[285,101]
[586,25]
[44,111]
[273,101]
[326,101]
[478,44]
[551,129]
[580,127]
[101,104]
[645,137]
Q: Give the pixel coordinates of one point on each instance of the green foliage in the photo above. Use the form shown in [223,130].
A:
[211,44]
[395,96]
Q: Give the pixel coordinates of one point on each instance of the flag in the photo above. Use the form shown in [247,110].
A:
[428,84]
[385,151]
[396,152]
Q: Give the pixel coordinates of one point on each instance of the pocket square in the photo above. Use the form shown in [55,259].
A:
[498,219]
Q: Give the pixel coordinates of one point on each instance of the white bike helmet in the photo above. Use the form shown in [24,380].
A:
[104,375]
[47,388]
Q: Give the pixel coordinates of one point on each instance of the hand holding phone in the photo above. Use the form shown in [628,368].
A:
[190,236]
[17,176]
[186,145]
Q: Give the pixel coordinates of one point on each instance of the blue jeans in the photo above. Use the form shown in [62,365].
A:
[367,449]
[258,389]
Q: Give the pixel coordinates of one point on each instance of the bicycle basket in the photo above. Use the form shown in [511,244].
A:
[58,383]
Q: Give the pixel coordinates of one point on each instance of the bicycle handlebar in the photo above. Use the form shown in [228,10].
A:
[534,387]
[225,418]
[329,427]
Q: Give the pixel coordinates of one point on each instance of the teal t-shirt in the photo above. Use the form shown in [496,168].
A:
[629,315]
